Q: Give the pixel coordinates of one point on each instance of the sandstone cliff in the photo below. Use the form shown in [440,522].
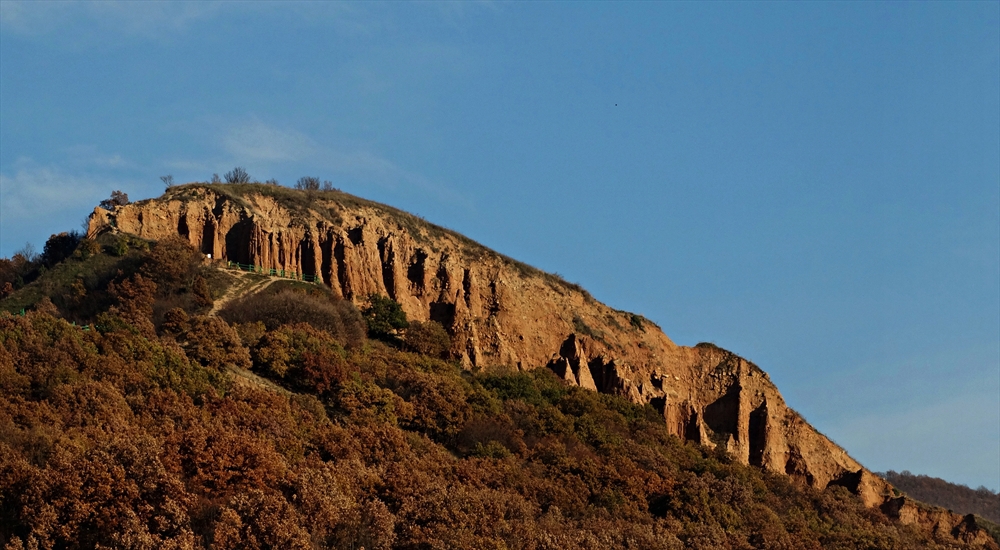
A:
[500,312]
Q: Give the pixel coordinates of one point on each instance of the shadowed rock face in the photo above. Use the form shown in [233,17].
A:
[500,312]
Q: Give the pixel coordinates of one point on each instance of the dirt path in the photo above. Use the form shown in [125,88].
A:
[244,286]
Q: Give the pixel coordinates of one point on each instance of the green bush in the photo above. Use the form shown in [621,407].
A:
[385,317]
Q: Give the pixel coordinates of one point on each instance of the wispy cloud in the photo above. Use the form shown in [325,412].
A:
[371,168]
[29,190]
[258,142]
[158,19]
[926,438]
[89,155]
[151,18]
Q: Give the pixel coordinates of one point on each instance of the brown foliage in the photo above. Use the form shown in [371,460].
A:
[117,198]
[939,492]
[202,295]
[117,439]
[172,263]
[428,338]
[213,343]
[134,302]
[337,317]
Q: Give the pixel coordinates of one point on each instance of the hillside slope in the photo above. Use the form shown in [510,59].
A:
[499,312]
[210,435]
[152,397]
[936,491]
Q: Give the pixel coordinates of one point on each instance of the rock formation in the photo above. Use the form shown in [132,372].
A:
[501,312]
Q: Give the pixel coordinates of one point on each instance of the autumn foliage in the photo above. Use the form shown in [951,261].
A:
[238,431]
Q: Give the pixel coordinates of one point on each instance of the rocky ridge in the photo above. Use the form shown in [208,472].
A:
[502,312]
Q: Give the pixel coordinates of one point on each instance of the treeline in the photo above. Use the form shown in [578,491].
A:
[936,491]
[288,426]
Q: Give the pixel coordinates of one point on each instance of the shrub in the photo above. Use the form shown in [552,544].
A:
[88,248]
[428,338]
[202,295]
[337,317]
[213,343]
[172,263]
[307,183]
[385,317]
[117,198]
[306,358]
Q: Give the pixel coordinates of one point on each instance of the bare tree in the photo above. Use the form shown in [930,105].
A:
[237,175]
[307,183]
[216,178]
[167,180]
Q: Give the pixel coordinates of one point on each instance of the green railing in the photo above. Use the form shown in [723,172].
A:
[287,274]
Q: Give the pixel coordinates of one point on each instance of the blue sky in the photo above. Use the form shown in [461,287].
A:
[815,186]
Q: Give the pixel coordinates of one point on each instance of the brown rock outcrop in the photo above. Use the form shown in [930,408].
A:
[500,312]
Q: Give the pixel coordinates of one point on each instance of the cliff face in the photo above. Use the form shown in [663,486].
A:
[500,312]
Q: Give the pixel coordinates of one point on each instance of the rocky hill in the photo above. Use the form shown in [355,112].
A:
[502,312]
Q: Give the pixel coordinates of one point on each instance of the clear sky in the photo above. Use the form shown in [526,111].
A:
[815,186]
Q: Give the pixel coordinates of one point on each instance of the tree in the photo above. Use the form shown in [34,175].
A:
[202,294]
[384,317]
[59,247]
[117,198]
[237,175]
[167,180]
[307,183]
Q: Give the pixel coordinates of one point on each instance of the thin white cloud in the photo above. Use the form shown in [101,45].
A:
[36,201]
[368,167]
[149,18]
[258,142]
[162,19]
[29,190]
[89,155]
[955,439]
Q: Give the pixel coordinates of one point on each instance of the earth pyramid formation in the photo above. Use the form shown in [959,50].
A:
[502,312]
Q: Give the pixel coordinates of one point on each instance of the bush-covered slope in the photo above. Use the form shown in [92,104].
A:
[121,438]
[279,424]
[939,492]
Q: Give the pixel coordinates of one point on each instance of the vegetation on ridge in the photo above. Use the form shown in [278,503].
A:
[959,498]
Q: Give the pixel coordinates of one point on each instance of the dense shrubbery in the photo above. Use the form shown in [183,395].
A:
[939,492]
[286,428]
[338,317]
[428,338]
[120,438]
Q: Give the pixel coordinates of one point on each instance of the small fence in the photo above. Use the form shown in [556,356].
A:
[276,272]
